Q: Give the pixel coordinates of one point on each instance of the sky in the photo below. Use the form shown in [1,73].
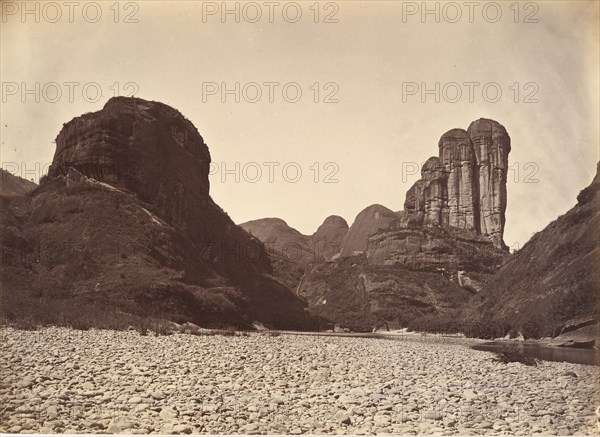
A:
[317,108]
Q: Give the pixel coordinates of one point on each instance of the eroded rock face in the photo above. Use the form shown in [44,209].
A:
[465,188]
[427,200]
[429,259]
[147,147]
[125,218]
[491,144]
[151,150]
[458,158]
[360,294]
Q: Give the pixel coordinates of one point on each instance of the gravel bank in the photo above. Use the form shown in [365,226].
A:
[61,380]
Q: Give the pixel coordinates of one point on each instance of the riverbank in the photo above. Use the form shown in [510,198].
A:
[67,381]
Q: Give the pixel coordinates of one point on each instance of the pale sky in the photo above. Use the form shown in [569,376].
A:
[369,55]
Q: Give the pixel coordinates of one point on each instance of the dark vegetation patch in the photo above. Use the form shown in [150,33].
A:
[513,355]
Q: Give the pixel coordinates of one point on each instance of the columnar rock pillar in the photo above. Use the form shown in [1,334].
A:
[435,192]
[465,188]
[458,159]
[427,200]
[492,146]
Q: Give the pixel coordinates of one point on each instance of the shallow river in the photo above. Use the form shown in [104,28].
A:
[527,348]
[535,350]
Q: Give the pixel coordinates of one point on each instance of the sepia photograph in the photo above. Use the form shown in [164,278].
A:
[303,217]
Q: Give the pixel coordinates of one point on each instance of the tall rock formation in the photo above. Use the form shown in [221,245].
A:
[465,188]
[124,223]
[148,148]
[492,146]
[458,159]
[425,262]
[412,265]
[427,200]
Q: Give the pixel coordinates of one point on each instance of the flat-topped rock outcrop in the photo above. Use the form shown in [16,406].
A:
[124,221]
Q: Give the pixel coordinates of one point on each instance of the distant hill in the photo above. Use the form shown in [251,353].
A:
[328,238]
[332,239]
[366,223]
[279,237]
[291,252]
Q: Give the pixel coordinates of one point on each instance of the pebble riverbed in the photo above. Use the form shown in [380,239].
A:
[58,380]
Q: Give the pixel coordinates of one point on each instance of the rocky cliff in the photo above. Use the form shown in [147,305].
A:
[424,261]
[125,221]
[492,146]
[404,276]
[428,260]
[465,187]
[147,148]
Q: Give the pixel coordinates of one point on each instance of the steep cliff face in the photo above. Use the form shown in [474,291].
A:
[465,188]
[154,152]
[454,215]
[554,279]
[458,159]
[125,218]
[492,146]
[430,258]
[427,200]
[360,294]
[146,147]
[405,274]
[436,249]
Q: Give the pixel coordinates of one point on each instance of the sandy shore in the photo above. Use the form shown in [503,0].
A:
[61,380]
